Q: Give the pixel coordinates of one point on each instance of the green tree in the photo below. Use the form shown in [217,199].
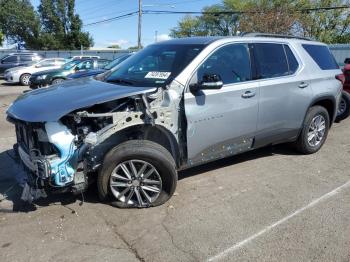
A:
[61,27]
[19,22]
[271,16]
[188,26]
[115,46]
[1,38]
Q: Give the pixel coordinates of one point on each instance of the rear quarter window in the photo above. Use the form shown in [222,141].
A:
[322,56]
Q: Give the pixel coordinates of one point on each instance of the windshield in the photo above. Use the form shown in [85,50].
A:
[116,62]
[156,65]
[70,64]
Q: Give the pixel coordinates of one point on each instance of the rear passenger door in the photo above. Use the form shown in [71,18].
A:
[222,122]
[284,92]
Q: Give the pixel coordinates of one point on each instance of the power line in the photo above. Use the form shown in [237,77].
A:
[112,19]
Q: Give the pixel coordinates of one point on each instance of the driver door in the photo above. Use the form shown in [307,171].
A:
[222,122]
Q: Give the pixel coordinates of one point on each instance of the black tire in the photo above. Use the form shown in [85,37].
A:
[57,81]
[345,112]
[142,150]
[24,79]
[302,144]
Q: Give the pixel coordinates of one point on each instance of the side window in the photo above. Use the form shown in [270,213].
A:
[26,58]
[85,65]
[292,61]
[46,63]
[10,59]
[322,56]
[231,62]
[271,60]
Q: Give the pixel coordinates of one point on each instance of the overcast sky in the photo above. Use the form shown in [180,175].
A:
[124,32]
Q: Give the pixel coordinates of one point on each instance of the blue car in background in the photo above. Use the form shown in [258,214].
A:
[94,72]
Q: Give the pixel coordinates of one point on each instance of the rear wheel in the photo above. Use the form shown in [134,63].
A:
[57,81]
[314,131]
[344,107]
[137,173]
[24,79]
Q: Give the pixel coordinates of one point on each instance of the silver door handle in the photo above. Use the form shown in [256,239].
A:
[303,85]
[248,94]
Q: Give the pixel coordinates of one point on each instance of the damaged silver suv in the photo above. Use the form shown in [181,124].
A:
[174,105]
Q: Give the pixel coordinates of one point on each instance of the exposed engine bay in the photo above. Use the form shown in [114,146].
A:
[65,155]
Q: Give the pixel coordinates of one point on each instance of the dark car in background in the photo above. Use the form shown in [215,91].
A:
[344,105]
[93,72]
[55,76]
[17,59]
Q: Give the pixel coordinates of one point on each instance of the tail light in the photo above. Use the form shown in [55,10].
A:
[341,78]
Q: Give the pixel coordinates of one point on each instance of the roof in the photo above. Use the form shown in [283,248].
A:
[206,40]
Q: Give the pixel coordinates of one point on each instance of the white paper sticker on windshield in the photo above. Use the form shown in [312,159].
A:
[158,75]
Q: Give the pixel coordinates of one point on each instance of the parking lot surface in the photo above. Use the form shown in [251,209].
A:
[268,205]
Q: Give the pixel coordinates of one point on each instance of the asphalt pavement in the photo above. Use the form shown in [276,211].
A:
[272,204]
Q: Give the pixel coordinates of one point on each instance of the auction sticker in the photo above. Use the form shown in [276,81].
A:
[158,75]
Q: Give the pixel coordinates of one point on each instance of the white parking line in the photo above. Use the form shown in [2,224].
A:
[240,244]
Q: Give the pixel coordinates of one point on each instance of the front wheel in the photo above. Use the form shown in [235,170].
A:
[344,107]
[137,173]
[57,81]
[314,131]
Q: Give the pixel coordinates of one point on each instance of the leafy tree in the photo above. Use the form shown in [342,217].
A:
[188,26]
[1,38]
[19,22]
[115,46]
[271,16]
[134,48]
[61,27]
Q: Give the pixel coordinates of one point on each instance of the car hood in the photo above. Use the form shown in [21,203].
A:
[86,73]
[50,104]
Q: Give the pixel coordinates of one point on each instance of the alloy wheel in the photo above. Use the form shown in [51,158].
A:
[317,130]
[135,183]
[25,79]
[342,106]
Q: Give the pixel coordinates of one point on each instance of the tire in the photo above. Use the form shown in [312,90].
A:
[57,81]
[139,153]
[302,144]
[344,107]
[24,79]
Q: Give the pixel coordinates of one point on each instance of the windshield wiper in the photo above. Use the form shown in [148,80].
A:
[120,81]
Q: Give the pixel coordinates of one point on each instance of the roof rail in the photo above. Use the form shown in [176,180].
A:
[276,36]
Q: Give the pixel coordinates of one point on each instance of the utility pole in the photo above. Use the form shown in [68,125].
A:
[139,46]
[156,36]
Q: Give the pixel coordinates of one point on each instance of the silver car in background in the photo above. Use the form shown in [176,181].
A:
[174,105]
[22,74]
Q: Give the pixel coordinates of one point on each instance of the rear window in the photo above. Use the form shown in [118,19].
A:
[322,56]
[271,60]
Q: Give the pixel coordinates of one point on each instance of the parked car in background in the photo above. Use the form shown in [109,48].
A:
[175,105]
[55,76]
[79,57]
[344,105]
[22,74]
[94,72]
[18,59]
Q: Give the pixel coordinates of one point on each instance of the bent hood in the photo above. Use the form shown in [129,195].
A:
[50,104]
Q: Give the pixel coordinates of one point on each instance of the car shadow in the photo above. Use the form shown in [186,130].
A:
[9,84]
[282,149]
[11,189]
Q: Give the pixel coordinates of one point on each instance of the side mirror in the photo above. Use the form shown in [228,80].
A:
[209,81]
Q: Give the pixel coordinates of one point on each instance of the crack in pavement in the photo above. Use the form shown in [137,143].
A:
[94,244]
[173,242]
[131,247]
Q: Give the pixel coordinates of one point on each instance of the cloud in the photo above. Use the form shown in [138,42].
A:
[163,37]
